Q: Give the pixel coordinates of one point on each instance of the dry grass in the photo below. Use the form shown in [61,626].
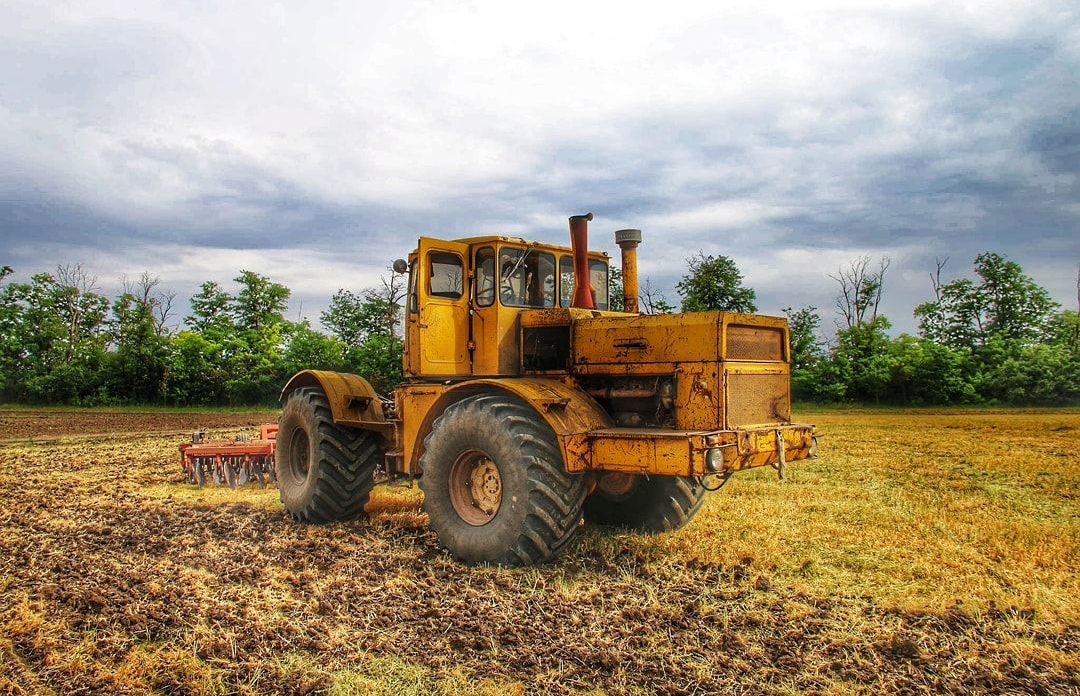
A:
[922,553]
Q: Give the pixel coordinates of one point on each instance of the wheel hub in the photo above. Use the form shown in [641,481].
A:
[475,488]
[616,484]
[299,455]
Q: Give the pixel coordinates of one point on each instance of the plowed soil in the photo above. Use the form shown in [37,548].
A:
[117,577]
[38,424]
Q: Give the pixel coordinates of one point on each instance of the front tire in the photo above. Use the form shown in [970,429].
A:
[650,504]
[325,472]
[495,488]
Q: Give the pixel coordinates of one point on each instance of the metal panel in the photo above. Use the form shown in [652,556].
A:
[757,397]
[755,343]
[647,339]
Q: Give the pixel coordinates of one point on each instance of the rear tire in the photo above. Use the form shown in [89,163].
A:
[653,504]
[325,472]
[495,488]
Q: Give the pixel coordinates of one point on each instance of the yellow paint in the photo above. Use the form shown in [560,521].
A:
[353,401]
[730,371]
[439,323]
[570,412]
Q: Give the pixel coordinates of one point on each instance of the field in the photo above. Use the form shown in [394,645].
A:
[923,552]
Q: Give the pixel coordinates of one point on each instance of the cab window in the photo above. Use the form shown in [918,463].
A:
[414,303]
[445,275]
[526,278]
[598,279]
[566,280]
[485,277]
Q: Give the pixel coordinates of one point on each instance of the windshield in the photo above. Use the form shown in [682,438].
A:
[526,278]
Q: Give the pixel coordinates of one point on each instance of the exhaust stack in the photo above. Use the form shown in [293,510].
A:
[628,241]
[579,242]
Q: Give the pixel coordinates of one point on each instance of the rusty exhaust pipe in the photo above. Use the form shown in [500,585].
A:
[628,241]
[579,242]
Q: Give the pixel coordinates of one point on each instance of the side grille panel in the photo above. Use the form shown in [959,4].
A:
[754,343]
[756,398]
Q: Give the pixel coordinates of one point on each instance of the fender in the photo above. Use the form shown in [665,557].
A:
[570,412]
[353,401]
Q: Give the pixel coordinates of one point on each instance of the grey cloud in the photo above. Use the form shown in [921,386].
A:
[972,143]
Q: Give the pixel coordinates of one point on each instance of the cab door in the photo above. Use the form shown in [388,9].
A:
[441,322]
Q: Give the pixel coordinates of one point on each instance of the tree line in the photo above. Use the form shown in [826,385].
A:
[995,337]
[62,341]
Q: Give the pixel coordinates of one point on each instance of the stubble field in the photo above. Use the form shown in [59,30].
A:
[923,552]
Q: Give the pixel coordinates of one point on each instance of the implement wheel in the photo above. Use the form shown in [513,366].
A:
[325,472]
[650,504]
[495,489]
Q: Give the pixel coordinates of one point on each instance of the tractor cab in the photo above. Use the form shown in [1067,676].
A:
[466,298]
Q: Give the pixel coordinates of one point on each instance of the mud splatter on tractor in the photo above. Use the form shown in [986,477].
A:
[230,461]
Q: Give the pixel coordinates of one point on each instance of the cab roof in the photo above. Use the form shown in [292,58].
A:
[495,238]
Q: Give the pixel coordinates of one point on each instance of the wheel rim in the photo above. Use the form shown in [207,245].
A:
[299,455]
[475,488]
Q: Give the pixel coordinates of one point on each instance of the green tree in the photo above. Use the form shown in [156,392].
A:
[253,354]
[138,368]
[925,372]
[616,295]
[354,317]
[378,360]
[368,325]
[714,283]
[51,336]
[865,348]
[805,344]
[653,300]
[307,349]
[803,325]
[1004,302]
[196,371]
[211,312]
[1037,374]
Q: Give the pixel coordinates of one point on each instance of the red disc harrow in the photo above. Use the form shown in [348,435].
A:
[233,462]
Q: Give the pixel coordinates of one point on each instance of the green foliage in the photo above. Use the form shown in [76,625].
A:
[354,318]
[197,371]
[924,372]
[378,360]
[138,368]
[714,283]
[1004,303]
[211,312]
[616,294]
[307,349]
[805,344]
[995,338]
[1037,374]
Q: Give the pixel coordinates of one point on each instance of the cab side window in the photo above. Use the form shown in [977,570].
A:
[485,277]
[446,277]
[414,300]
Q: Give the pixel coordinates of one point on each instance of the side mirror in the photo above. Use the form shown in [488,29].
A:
[400,266]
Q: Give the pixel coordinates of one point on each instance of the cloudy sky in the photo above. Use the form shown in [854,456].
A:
[314,142]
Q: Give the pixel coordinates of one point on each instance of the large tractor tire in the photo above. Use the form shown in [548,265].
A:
[495,488]
[325,472]
[650,504]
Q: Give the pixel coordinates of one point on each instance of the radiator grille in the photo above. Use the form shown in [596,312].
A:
[758,398]
[754,343]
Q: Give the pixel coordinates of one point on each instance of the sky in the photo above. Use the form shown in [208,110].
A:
[314,142]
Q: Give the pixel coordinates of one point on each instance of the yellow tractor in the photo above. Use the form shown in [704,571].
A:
[528,404]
